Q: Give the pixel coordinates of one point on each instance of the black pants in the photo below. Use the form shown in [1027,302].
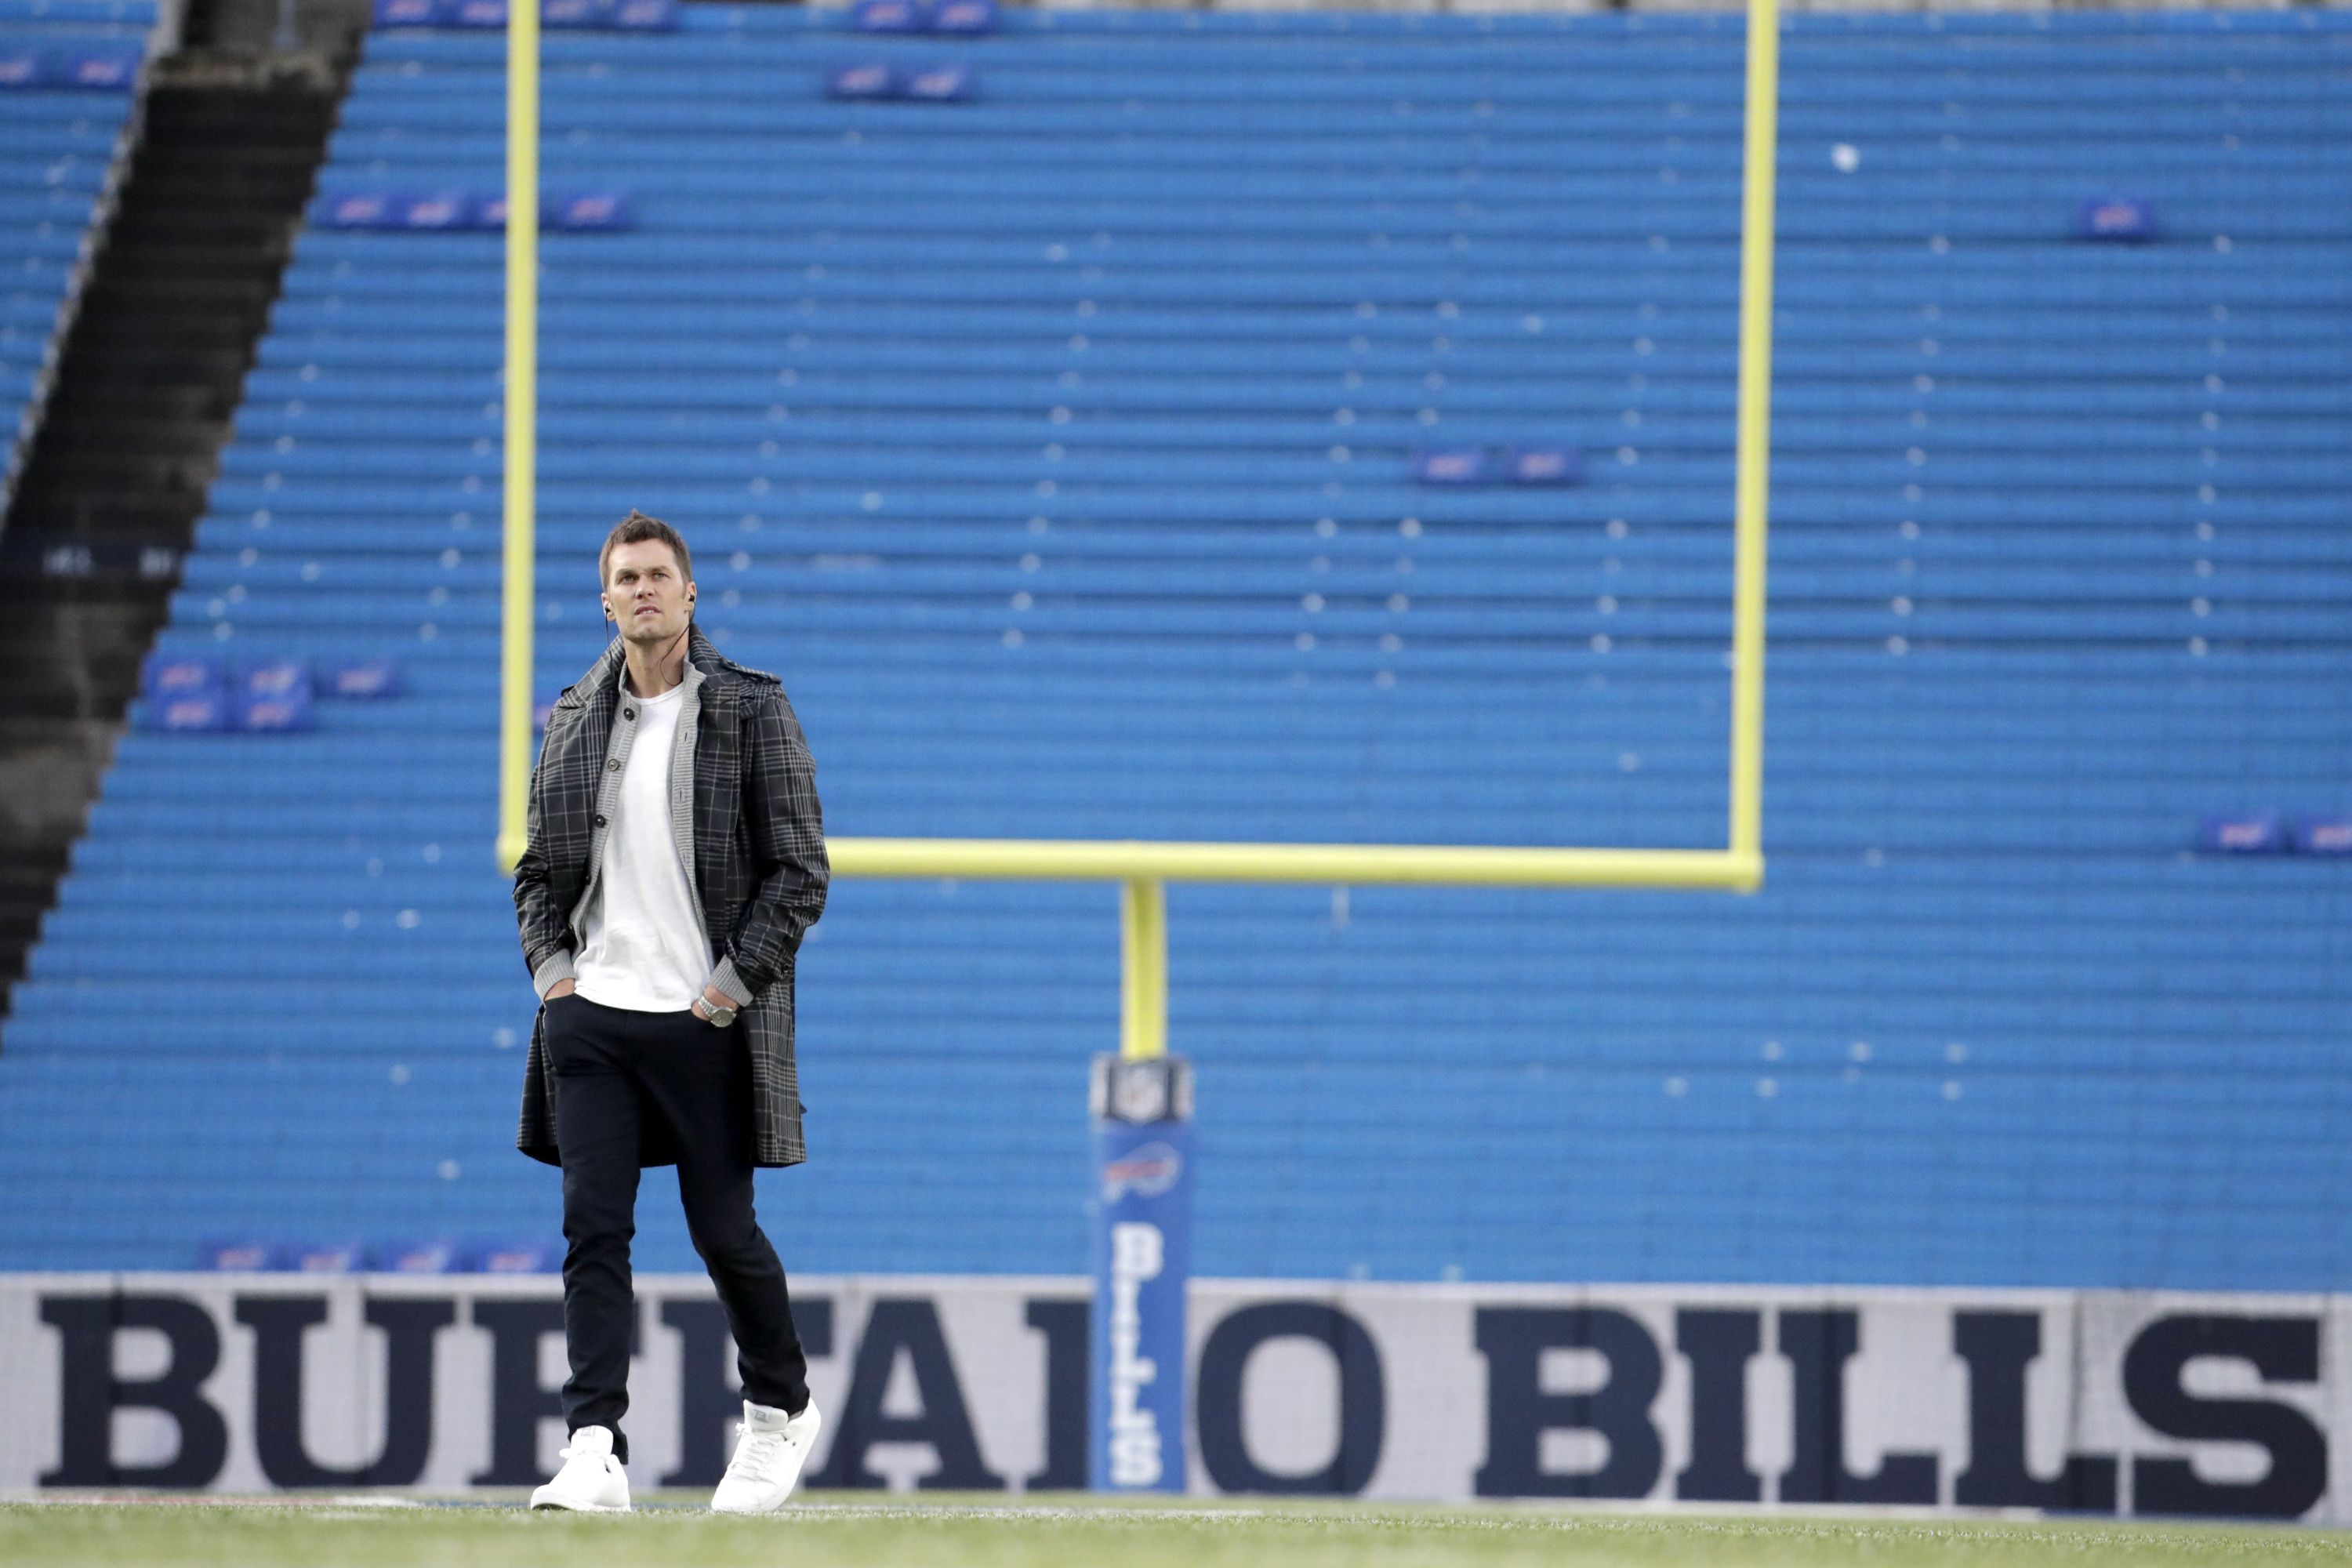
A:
[615,1069]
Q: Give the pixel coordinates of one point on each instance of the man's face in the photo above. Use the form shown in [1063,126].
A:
[648,598]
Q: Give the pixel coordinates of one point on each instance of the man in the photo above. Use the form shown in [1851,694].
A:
[675,857]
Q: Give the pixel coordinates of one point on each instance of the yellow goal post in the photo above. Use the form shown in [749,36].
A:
[1143,868]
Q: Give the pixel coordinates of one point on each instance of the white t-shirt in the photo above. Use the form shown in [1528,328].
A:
[641,944]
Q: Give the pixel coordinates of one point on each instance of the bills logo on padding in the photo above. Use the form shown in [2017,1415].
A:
[1150,1170]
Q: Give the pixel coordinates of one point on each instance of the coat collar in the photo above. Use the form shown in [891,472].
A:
[721,676]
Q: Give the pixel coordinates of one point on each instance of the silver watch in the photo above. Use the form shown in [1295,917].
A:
[719,1017]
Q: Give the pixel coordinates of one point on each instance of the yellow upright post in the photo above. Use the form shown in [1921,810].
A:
[1143,969]
[1755,438]
[522,424]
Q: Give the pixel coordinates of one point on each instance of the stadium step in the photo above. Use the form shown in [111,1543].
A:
[129,440]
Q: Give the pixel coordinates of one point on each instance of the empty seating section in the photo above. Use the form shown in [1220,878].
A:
[66,71]
[1053,446]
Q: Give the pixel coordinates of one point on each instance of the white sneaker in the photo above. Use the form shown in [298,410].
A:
[768,1458]
[591,1480]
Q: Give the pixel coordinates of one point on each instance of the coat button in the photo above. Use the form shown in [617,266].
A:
[613,765]
[600,822]
[628,712]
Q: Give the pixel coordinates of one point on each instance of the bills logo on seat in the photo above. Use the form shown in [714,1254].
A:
[868,80]
[363,678]
[102,72]
[2117,218]
[646,16]
[21,68]
[1542,466]
[167,676]
[275,678]
[327,1258]
[1451,466]
[965,16]
[200,712]
[408,13]
[358,209]
[2259,834]
[938,84]
[1150,1170]
[889,16]
[242,1257]
[2323,835]
[603,211]
[437,212]
[421,1258]
[576,12]
[517,1257]
[267,715]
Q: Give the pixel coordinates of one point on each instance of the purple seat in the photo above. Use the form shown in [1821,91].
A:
[890,16]
[964,16]
[2258,833]
[516,1258]
[604,212]
[327,1258]
[646,16]
[937,84]
[1542,466]
[561,14]
[447,209]
[181,675]
[2126,218]
[361,209]
[242,1257]
[361,679]
[274,677]
[192,712]
[111,72]
[264,715]
[431,1257]
[1451,466]
[2328,836]
[409,13]
[870,79]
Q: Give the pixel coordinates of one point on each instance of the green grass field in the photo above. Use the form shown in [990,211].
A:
[1084,1533]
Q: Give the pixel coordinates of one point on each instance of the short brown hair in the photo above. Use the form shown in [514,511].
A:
[636,528]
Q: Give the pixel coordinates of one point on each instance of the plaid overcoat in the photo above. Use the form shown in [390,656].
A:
[759,873]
